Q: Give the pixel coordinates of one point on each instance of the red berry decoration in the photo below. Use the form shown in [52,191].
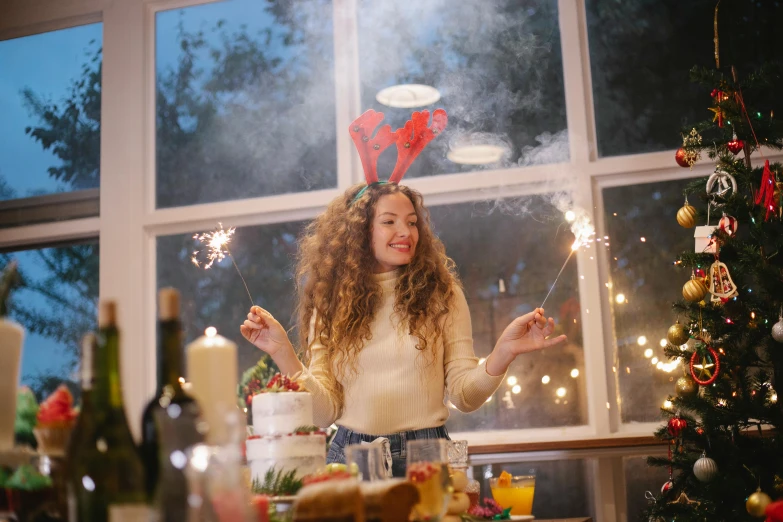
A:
[676,425]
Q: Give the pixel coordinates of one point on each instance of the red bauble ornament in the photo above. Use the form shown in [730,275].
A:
[699,273]
[735,146]
[680,157]
[676,425]
[705,368]
[666,487]
[728,225]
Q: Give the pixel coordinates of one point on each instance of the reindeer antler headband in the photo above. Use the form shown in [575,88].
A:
[410,140]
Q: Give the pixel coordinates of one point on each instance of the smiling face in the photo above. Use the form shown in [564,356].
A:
[394,233]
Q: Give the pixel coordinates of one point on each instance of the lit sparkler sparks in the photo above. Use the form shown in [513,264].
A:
[217,250]
[583,232]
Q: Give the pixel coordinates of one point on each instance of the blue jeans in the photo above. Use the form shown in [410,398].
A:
[397,441]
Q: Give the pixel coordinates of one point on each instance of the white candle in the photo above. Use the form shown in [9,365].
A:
[11,336]
[212,373]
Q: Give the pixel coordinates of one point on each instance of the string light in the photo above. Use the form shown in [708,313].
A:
[560,392]
[648,353]
[654,360]
[516,389]
[643,239]
[574,373]
[545,379]
[663,343]
[667,404]
[619,298]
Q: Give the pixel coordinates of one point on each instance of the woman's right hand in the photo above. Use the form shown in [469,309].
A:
[263,330]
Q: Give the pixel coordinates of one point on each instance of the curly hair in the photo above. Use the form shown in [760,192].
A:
[334,280]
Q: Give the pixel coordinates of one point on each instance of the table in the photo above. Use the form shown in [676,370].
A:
[588,519]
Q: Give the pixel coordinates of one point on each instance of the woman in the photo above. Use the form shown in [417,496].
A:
[389,331]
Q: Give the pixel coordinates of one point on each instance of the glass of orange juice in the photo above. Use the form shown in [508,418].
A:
[516,493]
[427,469]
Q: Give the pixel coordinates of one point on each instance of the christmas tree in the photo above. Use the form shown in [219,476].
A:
[723,421]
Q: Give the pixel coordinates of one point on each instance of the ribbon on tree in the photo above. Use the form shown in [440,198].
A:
[766,193]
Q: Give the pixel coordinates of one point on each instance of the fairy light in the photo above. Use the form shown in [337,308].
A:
[560,392]
[619,298]
[663,343]
[545,379]
[574,373]
[643,239]
[511,381]
[516,389]
[654,361]
[641,340]
[667,404]
[648,353]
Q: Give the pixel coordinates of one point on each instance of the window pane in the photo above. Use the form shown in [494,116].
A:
[217,297]
[496,64]
[645,240]
[56,305]
[508,254]
[563,487]
[50,98]
[640,478]
[641,54]
[245,100]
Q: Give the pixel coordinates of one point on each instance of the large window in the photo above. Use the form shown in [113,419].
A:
[245,101]
[50,99]
[495,66]
[56,304]
[644,242]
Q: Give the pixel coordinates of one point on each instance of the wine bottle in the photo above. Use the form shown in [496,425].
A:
[106,475]
[85,424]
[171,422]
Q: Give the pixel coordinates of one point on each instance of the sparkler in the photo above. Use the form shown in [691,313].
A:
[216,243]
[583,231]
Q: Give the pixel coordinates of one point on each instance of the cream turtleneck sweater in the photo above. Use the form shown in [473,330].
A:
[395,389]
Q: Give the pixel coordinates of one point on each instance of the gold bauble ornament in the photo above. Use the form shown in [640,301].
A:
[686,216]
[677,334]
[694,290]
[686,386]
[757,503]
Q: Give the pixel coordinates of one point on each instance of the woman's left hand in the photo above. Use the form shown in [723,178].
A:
[529,333]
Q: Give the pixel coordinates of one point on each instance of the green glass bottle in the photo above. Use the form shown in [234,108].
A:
[171,422]
[106,475]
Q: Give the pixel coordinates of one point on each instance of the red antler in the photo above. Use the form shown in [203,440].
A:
[413,137]
[370,148]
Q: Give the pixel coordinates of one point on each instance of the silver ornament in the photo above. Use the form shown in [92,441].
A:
[777,330]
[705,468]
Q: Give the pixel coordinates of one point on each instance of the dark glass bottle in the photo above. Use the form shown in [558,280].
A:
[171,422]
[105,473]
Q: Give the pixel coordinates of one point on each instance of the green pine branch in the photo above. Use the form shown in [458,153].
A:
[277,483]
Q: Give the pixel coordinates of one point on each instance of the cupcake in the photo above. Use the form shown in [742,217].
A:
[28,491]
[26,414]
[55,420]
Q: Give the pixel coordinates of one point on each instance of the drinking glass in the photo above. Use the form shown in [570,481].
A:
[366,460]
[428,471]
[518,495]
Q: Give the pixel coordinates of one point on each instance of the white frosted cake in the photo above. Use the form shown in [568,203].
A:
[276,443]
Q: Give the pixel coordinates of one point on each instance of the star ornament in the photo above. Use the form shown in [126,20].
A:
[719,115]
[685,501]
[705,368]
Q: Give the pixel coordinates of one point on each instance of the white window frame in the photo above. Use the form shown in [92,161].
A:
[129,223]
